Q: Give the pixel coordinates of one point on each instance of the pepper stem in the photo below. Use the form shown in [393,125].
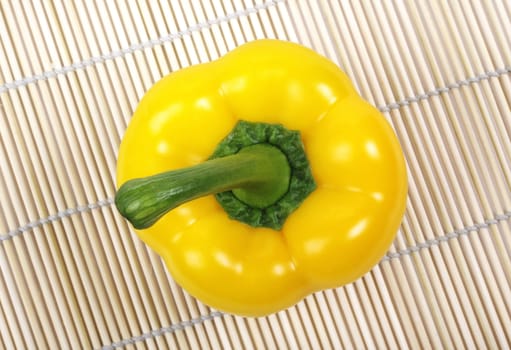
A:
[258,175]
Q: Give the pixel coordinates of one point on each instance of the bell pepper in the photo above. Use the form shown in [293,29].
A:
[261,177]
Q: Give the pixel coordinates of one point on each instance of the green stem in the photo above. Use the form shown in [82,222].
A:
[258,175]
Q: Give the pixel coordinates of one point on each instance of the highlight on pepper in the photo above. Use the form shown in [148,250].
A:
[261,178]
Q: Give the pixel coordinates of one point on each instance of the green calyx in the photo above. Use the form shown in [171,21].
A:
[259,174]
[301,182]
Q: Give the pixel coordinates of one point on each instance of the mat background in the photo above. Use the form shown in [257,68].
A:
[74,276]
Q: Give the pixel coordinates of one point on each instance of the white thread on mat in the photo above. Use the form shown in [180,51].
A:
[138,47]
[407,251]
[109,201]
[56,217]
[466,82]
[164,330]
[447,237]
[383,109]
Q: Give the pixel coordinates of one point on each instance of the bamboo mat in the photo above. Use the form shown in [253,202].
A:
[74,276]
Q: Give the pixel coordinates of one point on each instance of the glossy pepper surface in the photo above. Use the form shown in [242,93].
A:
[338,232]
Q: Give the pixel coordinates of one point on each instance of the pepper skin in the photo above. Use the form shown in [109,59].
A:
[339,232]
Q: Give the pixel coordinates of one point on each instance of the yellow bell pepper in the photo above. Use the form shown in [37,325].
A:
[352,164]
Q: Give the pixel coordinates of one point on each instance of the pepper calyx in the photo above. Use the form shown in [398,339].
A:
[301,182]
